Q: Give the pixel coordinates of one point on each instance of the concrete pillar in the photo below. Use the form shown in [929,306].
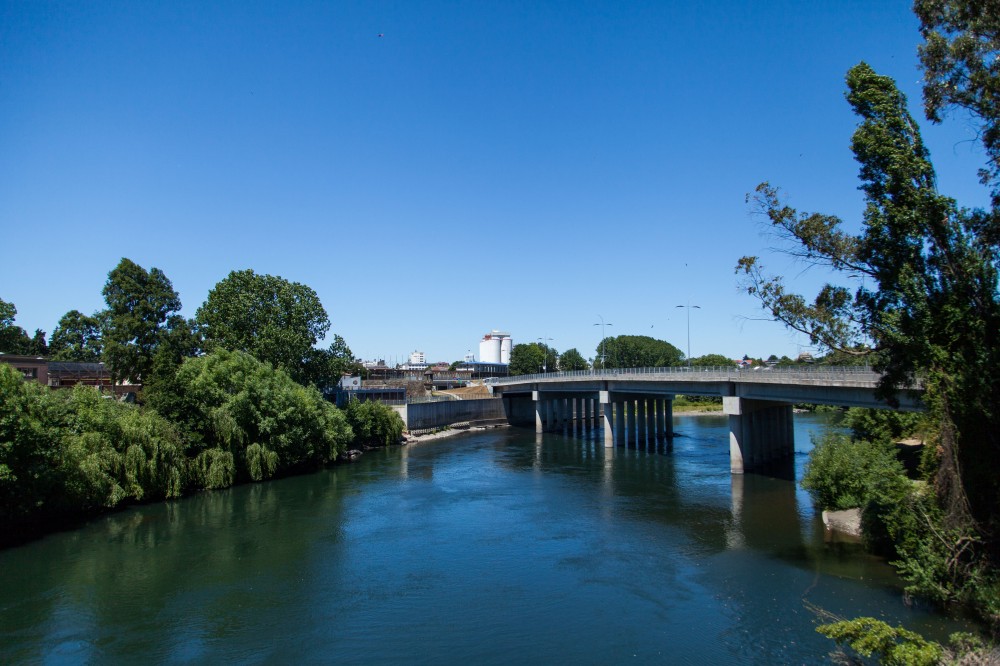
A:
[630,409]
[609,431]
[668,417]
[651,420]
[539,412]
[640,424]
[661,421]
[619,407]
[588,405]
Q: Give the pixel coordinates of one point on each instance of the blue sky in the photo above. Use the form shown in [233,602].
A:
[527,166]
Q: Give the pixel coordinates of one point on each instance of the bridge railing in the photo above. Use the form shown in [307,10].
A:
[860,374]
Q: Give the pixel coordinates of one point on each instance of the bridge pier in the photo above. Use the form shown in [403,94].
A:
[760,433]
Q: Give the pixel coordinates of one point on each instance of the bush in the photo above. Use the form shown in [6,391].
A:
[373,423]
[844,474]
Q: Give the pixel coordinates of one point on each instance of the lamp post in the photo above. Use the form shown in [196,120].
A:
[545,353]
[689,306]
[604,359]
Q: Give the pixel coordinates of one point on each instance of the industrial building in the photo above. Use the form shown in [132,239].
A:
[495,347]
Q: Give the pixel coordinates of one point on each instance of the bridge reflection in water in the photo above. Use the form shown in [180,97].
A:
[634,407]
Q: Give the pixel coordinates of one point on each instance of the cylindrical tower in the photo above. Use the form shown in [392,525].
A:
[506,344]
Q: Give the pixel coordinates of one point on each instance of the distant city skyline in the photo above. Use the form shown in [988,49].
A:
[434,170]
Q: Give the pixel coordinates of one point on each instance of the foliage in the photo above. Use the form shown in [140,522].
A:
[373,423]
[639,351]
[30,452]
[713,360]
[925,303]
[230,401]
[843,473]
[324,368]
[961,42]
[140,305]
[572,359]
[894,646]
[76,337]
[14,339]
[882,425]
[277,321]
[531,358]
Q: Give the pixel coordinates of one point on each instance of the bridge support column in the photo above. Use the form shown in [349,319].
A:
[539,412]
[760,433]
[650,421]
[668,418]
[661,428]
[619,418]
[640,421]
[588,405]
[609,430]
[630,426]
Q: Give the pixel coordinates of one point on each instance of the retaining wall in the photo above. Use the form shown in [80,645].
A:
[426,415]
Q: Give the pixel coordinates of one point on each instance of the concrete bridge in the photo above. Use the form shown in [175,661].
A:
[635,405]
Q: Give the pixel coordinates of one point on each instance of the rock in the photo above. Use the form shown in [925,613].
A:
[847,521]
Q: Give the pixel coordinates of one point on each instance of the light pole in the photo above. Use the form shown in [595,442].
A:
[689,306]
[604,359]
[545,353]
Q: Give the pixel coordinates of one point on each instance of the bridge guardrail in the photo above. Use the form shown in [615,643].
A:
[860,374]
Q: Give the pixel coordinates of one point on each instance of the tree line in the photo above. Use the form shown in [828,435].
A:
[232,395]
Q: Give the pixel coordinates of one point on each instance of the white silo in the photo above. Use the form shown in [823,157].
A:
[505,346]
[489,349]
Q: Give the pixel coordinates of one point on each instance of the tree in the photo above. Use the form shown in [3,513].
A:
[14,339]
[140,304]
[323,368]
[528,359]
[959,58]
[76,337]
[925,302]
[277,321]
[639,351]
[713,360]
[571,359]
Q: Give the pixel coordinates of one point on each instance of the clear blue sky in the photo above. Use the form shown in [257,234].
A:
[526,166]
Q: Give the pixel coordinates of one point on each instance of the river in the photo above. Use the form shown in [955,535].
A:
[491,547]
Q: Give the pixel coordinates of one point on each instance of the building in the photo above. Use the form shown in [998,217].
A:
[418,358]
[495,347]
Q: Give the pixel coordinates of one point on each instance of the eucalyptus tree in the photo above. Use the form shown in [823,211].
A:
[922,302]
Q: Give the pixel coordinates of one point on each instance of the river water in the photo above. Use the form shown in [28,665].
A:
[492,547]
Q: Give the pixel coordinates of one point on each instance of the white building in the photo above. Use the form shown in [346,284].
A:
[495,347]
[417,357]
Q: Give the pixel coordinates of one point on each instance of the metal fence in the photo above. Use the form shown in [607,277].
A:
[823,374]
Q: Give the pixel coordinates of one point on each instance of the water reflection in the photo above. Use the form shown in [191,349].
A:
[489,547]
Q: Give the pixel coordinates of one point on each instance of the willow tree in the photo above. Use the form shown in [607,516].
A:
[921,300]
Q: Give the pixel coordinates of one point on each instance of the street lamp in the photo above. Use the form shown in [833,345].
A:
[689,306]
[545,353]
[604,359]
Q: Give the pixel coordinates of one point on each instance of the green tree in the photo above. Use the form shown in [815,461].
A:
[639,351]
[277,321]
[529,358]
[76,337]
[373,423]
[713,360]
[244,419]
[959,58]
[924,304]
[14,339]
[140,305]
[324,367]
[571,359]
[925,301]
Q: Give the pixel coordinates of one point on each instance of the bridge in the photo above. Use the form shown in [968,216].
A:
[635,405]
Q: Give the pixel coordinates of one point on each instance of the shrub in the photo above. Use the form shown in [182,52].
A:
[373,423]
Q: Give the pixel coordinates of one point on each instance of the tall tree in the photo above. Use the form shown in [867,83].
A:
[572,359]
[13,338]
[76,337]
[925,301]
[531,358]
[959,57]
[639,351]
[140,304]
[277,321]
